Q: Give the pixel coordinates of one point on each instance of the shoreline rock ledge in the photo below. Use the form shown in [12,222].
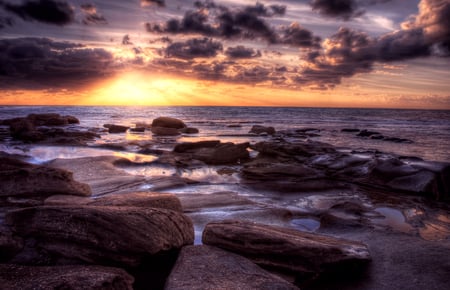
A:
[303,255]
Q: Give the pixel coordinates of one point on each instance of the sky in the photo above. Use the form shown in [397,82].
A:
[308,53]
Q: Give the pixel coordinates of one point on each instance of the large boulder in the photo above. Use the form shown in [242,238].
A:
[214,152]
[165,131]
[168,122]
[114,129]
[205,267]
[22,182]
[286,250]
[15,277]
[136,199]
[100,235]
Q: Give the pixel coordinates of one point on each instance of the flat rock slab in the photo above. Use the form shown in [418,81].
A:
[136,199]
[193,202]
[25,181]
[206,267]
[15,277]
[285,249]
[100,235]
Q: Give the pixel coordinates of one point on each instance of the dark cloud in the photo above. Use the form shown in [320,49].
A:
[126,40]
[41,62]
[193,48]
[344,9]
[91,15]
[350,52]
[260,9]
[226,23]
[47,11]
[211,71]
[242,52]
[160,3]
[296,35]
[5,21]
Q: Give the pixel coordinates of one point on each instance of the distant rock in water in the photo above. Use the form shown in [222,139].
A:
[114,129]
[189,130]
[366,133]
[350,130]
[258,129]
[165,131]
[168,122]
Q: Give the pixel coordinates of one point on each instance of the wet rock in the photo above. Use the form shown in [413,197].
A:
[286,250]
[23,129]
[292,150]
[10,245]
[214,152]
[258,129]
[101,235]
[367,133]
[397,140]
[165,131]
[135,199]
[137,129]
[51,119]
[15,277]
[350,130]
[377,137]
[23,181]
[192,202]
[115,129]
[234,126]
[205,267]
[189,130]
[168,122]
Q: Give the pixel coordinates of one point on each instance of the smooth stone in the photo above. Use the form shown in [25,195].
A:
[21,180]
[115,129]
[258,129]
[138,129]
[192,202]
[287,250]
[206,267]
[16,277]
[189,130]
[165,131]
[168,122]
[99,235]
[136,199]
[214,152]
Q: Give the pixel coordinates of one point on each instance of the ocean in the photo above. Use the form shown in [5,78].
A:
[429,130]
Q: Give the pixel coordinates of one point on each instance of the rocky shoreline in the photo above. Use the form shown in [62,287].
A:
[335,219]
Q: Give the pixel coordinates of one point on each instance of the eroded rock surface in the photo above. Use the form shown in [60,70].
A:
[104,235]
[15,277]
[205,267]
[287,250]
[23,183]
[214,152]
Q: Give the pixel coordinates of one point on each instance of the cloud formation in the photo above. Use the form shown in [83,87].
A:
[47,11]
[91,15]
[344,9]
[193,48]
[241,51]
[41,62]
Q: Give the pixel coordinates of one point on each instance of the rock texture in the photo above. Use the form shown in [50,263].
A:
[287,250]
[99,235]
[114,129]
[258,129]
[214,152]
[136,199]
[205,267]
[15,277]
[25,183]
[168,122]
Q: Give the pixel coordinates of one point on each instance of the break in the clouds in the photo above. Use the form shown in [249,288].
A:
[48,11]
[41,62]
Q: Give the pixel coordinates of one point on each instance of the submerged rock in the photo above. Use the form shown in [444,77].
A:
[189,130]
[114,129]
[205,267]
[286,250]
[23,183]
[15,277]
[102,235]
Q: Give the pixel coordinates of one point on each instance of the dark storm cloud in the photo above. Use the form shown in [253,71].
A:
[41,62]
[242,52]
[211,71]
[47,11]
[296,35]
[91,15]
[193,48]
[345,9]
[246,22]
[5,21]
[126,40]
